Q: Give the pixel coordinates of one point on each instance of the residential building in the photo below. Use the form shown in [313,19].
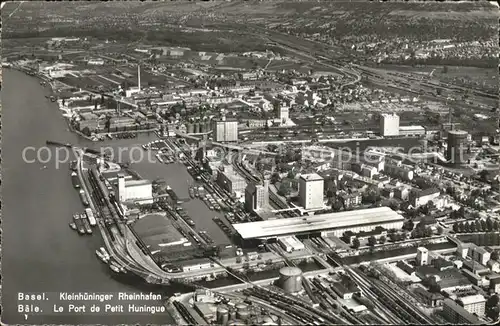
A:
[423,197]
[480,255]
[389,125]
[350,200]
[422,256]
[456,314]
[474,304]
[311,188]
[257,196]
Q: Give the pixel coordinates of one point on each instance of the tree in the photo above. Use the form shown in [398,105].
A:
[284,189]
[492,307]
[489,224]
[479,227]
[494,255]
[337,205]
[356,243]
[461,227]
[439,230]
[371,195]
[408,225]
[472,227]
[484,227]
[496,225]
[427,232]
[372,241]
[456,228]
[275,177]
[382,239]
[466,227]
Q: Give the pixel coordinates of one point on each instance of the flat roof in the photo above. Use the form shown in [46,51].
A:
[311,177]
[411,128]
[470,299]
[134,183]
[461,311]
[281,227]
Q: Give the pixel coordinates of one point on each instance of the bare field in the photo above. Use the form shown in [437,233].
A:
[443,15]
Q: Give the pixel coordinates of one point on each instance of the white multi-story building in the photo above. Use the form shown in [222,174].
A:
[389,125]
[225,130]
[257,196]
[480,255]
[136,190]
[474,304]
[422,256]
[311,188]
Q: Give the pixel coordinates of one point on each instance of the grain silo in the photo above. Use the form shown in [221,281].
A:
[203,127]
[290,279]
[243,314]
[196,127]
[190,128]
[240,306]
[222,315]
[208,125]
[232,314]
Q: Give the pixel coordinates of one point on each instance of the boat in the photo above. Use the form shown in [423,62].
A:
[83,197]
[52,99]
[104,252]
[114,268]
[191,192]
[90,216]
[79,224]
[103,258]
[86,224]
[72,225]
[158,157]
[109,136]
[75,180]
[72,165]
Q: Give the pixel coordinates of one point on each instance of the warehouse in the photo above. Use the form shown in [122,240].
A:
[326,224]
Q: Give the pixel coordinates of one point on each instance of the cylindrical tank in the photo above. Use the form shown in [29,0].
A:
[455,151]
[243,314]
[196,128]
[222,315]
[290,279]
[208,126]
[203,128]
[232,314]
[240,306]
[190,128]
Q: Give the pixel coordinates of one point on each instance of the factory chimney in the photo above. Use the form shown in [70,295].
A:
[139,77]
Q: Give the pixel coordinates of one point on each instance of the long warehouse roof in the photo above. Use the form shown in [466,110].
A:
[314,223]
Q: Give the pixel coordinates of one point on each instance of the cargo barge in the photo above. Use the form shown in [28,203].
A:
[75,180]
[86,224]
[79,224]
[72,165]
[91,217]
[83,197]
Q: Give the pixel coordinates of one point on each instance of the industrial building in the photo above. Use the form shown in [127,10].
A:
[411,131]
[457,145]
[311,187]
[456,314]
[136,190]
[290,279]
[230,181]
[423,197]
[257,196]
[389,125]
[326,224]
[225,130]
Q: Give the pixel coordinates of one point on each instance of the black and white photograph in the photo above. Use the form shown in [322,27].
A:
[231,162]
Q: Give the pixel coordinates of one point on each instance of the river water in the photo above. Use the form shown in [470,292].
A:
[40,253]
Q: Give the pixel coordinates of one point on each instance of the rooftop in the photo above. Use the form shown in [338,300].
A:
[311,177]
[313,223]
[461,311]
[135,183]
[410,128]
[471,299]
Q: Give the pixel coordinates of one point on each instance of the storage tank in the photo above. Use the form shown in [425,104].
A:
[196,128]
[203,127]
[222,315]
[208,126]
[232,314]
[455,151]
[240,306]
[190,128]
[243,314]
[290,279]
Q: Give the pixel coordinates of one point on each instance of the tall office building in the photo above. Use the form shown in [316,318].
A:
[225,130]
[311,188]
[257,196]
[389,125]
[457,146]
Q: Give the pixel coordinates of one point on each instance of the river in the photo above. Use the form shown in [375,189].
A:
[39,251]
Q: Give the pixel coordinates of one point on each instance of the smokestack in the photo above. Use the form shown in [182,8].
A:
[139,76]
